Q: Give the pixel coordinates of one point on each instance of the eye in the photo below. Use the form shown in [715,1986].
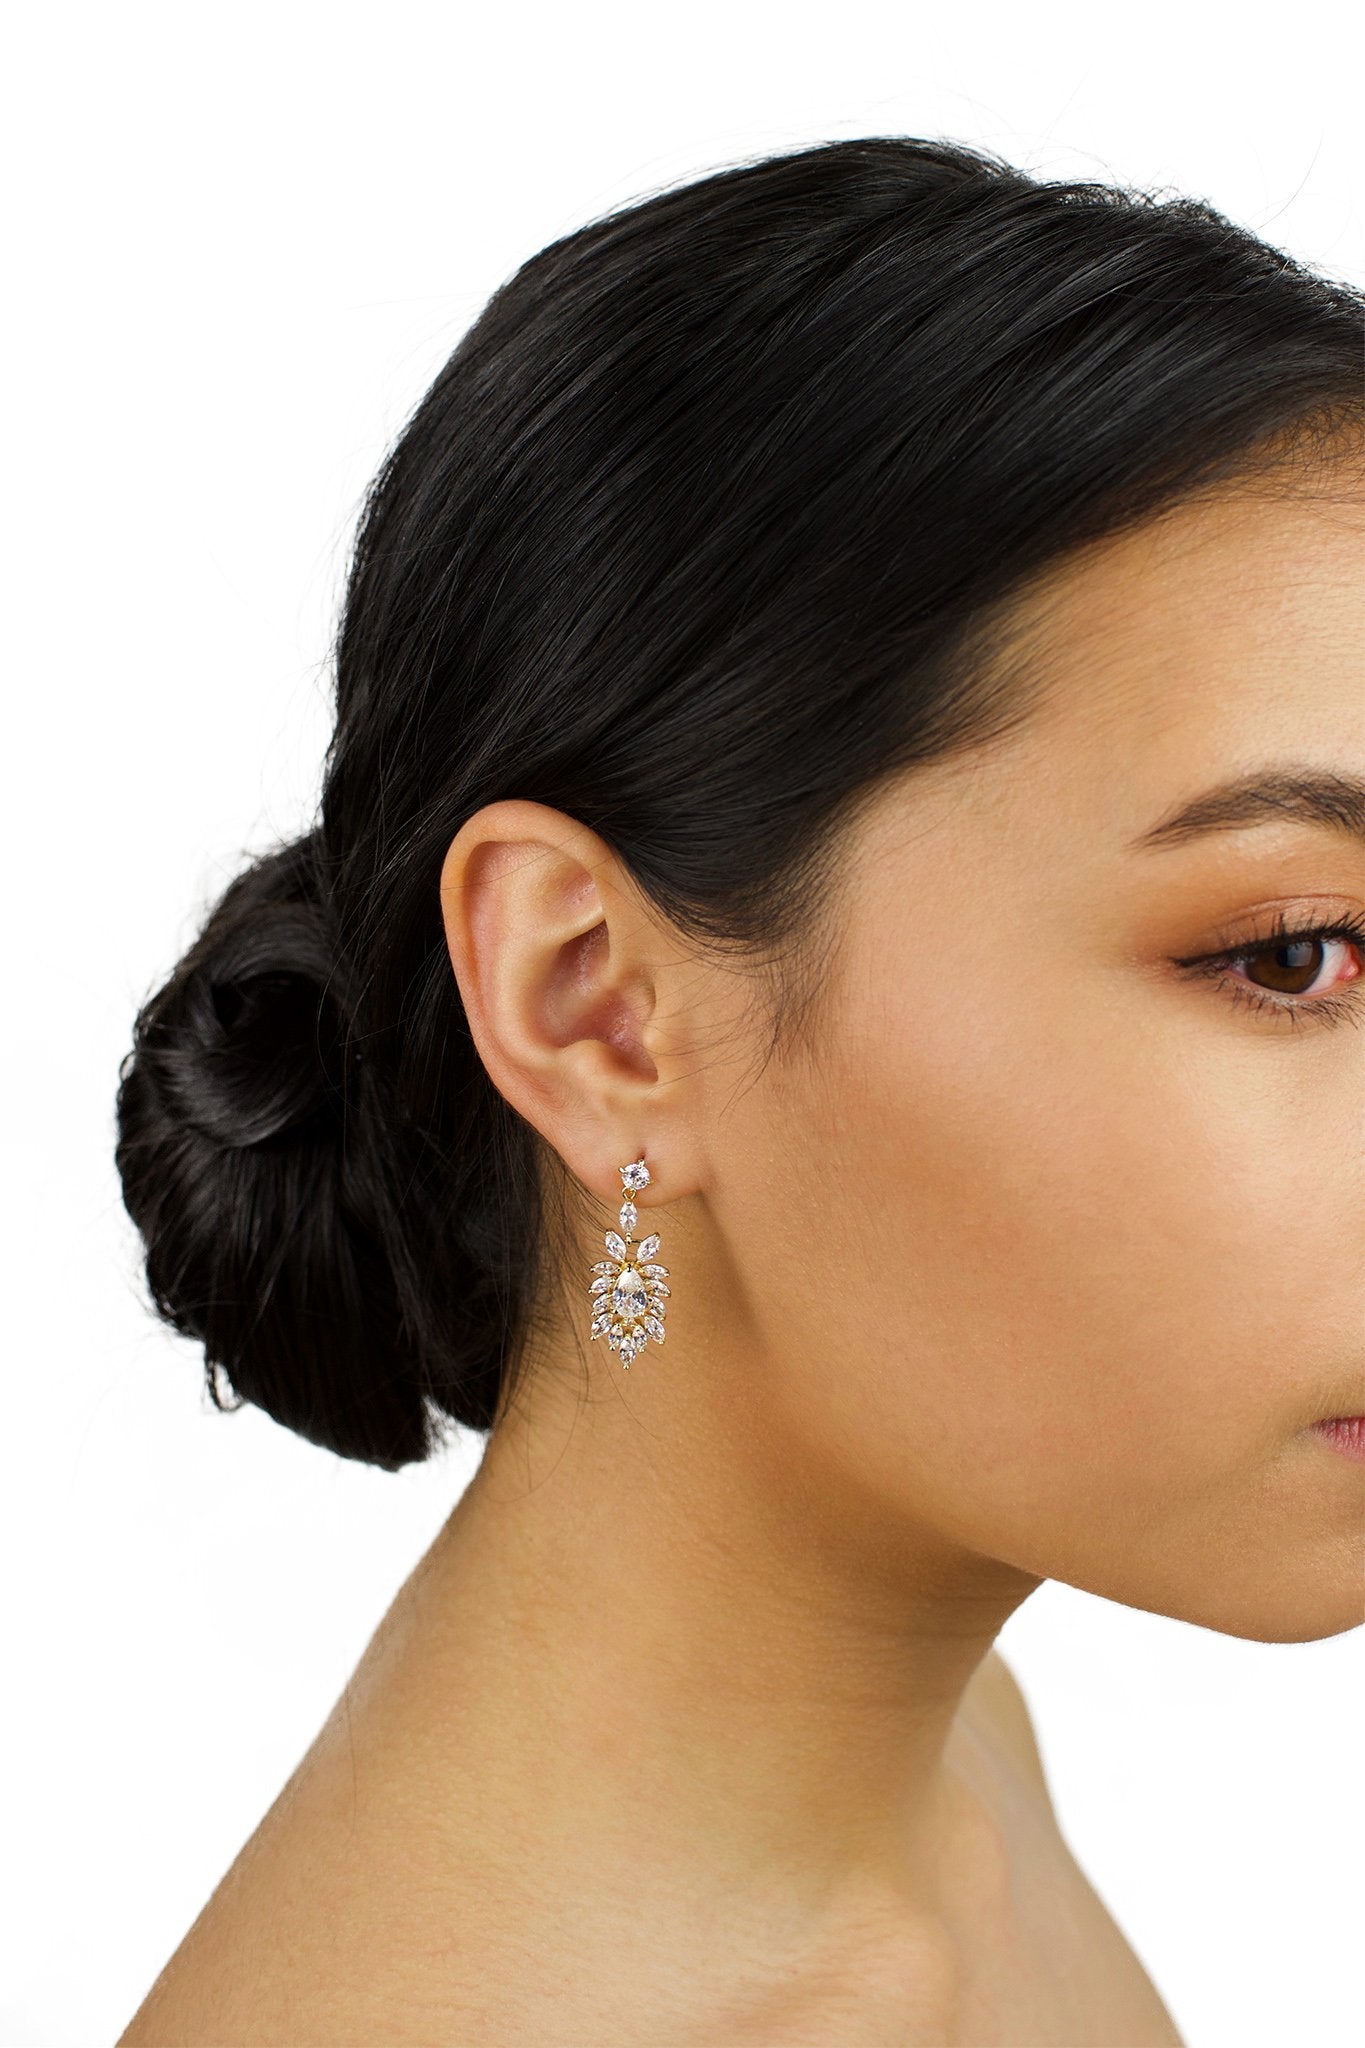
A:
[1296,971]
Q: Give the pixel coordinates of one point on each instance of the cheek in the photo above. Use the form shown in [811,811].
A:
[1054,1280]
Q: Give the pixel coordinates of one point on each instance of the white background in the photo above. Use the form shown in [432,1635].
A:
[245,240]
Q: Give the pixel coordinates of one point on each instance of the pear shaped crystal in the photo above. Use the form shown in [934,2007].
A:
[628,1296]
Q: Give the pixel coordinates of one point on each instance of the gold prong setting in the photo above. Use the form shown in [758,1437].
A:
[629,1291]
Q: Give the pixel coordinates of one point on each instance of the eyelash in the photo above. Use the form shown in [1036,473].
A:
[1334,1009]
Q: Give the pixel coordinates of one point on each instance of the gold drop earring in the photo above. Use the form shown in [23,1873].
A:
[629,1289]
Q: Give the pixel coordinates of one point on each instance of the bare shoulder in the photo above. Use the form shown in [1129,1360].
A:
[308,1939]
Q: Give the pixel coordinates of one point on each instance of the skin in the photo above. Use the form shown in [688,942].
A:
[1038,1264]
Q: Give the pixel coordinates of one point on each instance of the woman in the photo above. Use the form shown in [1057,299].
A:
[842,847]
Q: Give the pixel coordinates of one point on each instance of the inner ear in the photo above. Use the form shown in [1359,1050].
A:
[584,958]
[587,1001]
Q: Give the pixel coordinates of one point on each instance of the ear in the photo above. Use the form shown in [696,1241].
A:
[572,987]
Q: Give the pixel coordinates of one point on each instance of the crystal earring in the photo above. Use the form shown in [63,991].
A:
[628,1290]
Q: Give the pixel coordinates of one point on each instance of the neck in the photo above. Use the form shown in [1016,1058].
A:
[652,1640]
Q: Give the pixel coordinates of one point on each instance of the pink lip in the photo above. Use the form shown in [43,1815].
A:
[1345,1433]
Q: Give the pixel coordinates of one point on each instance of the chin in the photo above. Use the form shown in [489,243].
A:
[1306,1613]
[1309,1627]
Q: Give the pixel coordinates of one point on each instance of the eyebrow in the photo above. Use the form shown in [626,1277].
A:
[1264,796]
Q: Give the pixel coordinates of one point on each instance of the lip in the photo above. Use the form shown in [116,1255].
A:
[1343,1433]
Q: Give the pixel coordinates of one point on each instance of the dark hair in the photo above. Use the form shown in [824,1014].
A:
[711,522]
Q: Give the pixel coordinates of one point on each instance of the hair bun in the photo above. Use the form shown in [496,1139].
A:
[251,1028]
[267,1239]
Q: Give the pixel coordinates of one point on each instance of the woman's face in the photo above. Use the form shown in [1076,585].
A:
[1059,1245]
